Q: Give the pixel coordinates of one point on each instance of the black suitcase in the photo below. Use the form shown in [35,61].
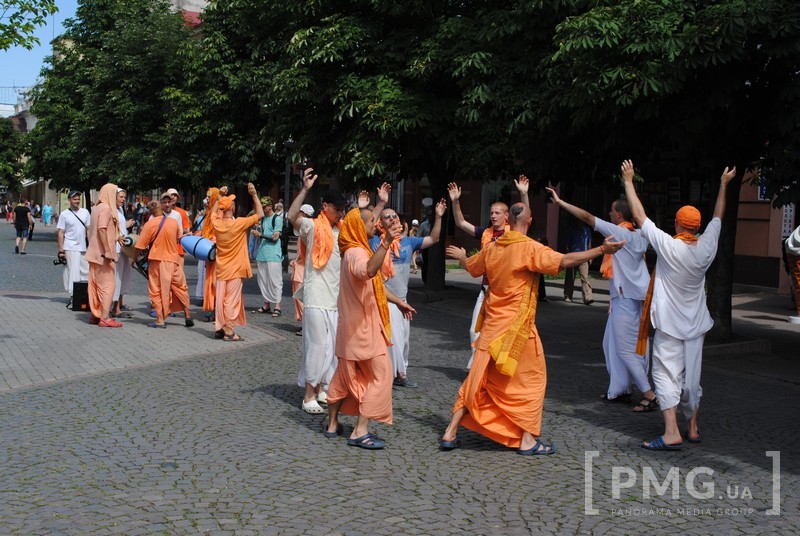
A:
[80,296]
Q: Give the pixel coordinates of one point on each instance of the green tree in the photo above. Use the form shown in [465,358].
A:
[101,106]
[695,85]
[11,150]
[19,19]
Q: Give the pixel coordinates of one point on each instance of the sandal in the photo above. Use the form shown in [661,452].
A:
[233,337]
[110,323]
[276,313]
[367,441]
[646,405]
[538,449]
[625,397]
[312,407]
[219,334]
[261,311]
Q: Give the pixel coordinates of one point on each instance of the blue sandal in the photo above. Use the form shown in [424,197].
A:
[546,449]
[659,444]
[333,435]
[449,445]
[367,441]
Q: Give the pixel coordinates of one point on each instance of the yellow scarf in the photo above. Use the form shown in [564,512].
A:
[606,268]
[488,233]
[353,234]
[507,348]
[644,323]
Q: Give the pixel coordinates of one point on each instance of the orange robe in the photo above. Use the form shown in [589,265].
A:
[363,377]
[502,407]
[101,256]
[166,283]
[232,265]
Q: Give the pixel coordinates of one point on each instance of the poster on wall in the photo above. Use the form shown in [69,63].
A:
[787,221]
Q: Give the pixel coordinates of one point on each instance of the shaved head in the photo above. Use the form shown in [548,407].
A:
[519,217]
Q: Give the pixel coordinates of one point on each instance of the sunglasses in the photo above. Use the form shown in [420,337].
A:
[390,216]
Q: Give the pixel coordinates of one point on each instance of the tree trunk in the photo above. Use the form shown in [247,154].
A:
[719,278]
[436,256]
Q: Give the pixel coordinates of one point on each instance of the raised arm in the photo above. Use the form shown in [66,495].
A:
[455,192]
[579,213]
[308,182]
[251,189]
[630,192]
[383,199]
[724,180]
[431,239]
[522,185]
[576,258]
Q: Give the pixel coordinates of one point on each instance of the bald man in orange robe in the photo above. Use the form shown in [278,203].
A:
[233,263]
[165,282]
[503,395]
[362,383]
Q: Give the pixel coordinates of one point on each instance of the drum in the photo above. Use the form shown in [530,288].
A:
[128,248]
[201,248]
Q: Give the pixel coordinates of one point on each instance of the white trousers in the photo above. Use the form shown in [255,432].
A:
[401,335]
[122,277]
[676,372]
[319,346]
[200,288]
[270,281]
[473,336]
[77,269]
[625,367]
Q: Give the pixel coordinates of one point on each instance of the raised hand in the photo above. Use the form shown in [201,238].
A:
[553,194]
[251,189]
[728,175]
[441,207]
[223,190]
[394,230]
[363,199]
[522,184]
[309,178]
[627,171]
[453,191]
[383,193]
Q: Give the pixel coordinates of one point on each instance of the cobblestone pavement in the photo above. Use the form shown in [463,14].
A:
[207,437]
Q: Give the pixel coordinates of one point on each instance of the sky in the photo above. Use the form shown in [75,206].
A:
[19,66]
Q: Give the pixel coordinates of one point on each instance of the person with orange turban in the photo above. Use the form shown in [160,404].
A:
[102,257]
[362,383]
[498,217]
[503,395]
[676,307]
[627,271]
[319,291]
[233,262]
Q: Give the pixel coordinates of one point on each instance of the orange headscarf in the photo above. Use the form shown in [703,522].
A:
[688,217]
[606,268]
[353,234]
[488,233]
[387,268]
[226,202]
[644,323]
[207,230]
[322,247]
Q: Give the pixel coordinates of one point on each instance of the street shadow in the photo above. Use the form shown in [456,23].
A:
[458,374]
[291,396]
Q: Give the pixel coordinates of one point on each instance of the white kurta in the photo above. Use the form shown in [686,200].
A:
[679,314]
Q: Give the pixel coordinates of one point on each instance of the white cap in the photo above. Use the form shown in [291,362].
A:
[427,202]
[308,210]
[414,222]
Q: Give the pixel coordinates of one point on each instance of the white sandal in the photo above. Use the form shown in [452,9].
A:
[322,397]
[312,407]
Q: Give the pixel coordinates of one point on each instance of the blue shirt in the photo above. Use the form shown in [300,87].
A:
[408,244]
[270,250]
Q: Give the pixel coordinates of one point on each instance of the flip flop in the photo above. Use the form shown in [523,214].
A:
[546,449]
[123,314]
[332,435]
[110,323]
[694,440]
[659,444]
[449,445]
[261,311]
[233,337]
[367,441]
[158,326]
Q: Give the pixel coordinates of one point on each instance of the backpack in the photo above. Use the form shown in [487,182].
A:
[285,230]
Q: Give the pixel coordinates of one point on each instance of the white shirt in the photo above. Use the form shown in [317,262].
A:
[679,299]
[320,287]
[74,231]
[175,215]
[630,278]
[123,230]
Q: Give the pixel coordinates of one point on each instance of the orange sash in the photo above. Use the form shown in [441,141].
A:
[353,234]
[644,323]
[606,268]
[322,248]
[207,231]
